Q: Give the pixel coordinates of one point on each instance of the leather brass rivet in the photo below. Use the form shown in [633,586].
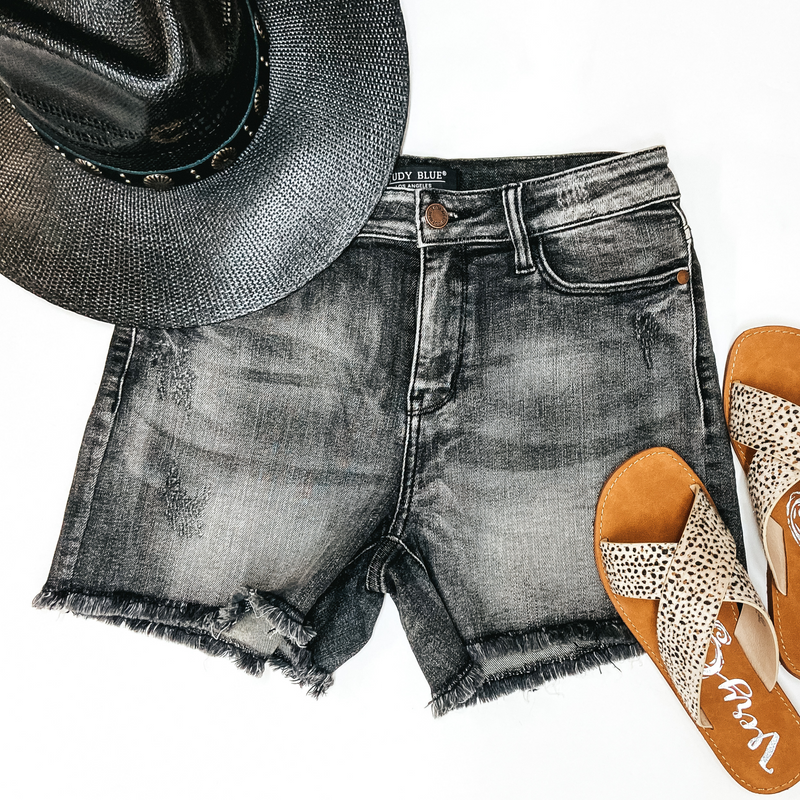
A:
[260,101]
[88,166]
[437,215]
[683,277]
[157,181]
[224,158]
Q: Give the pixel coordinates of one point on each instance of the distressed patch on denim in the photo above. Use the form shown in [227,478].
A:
[646,329]
[184,511]
[176,379]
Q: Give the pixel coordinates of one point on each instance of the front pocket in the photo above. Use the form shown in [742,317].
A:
[647,246]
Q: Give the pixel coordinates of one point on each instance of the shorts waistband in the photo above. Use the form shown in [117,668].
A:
[545,192]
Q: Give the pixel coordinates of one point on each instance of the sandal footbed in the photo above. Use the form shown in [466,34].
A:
[648,499]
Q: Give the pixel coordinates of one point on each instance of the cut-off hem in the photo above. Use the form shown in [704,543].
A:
[600,643]
[201,628]
[501,685]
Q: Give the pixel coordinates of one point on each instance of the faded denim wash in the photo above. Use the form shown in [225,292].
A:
[432,417]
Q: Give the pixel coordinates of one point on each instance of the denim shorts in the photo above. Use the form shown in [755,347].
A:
[432,417]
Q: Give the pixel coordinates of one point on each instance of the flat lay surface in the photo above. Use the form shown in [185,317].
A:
[93,711]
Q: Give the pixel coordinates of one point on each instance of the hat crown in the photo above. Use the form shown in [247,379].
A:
[150,86]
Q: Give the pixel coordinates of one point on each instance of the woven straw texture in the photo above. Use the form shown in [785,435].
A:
[238,241]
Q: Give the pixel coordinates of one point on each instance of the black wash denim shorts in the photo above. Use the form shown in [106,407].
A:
[432,417]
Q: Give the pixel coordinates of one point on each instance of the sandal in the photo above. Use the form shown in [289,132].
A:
[762,386]
[669,566]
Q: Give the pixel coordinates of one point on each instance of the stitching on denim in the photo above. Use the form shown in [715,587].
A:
[538,666]
[404,502]
[687,232]
[418,217]
[418,338]
[467,240]
[462,322]
[455,680]
[567,628]
[406,189]
[374,565]
[523,232]
[671,198]
[600,288]
[124,374]
[429,408]
[412,429]
[383,556]
[385,236]
[414,424]
[401,543]
[608,156]
[404,471]
[70,572]
[555,229]
[634,156]
[358,555]
[521,262]
[470,192]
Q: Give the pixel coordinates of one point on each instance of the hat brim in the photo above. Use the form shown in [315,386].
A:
[238,241]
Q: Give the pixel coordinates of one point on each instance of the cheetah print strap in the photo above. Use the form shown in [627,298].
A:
[767,481]
[771,426]
[692,579]
[638,571]
[766,423]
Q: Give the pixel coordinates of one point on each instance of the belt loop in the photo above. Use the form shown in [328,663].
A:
[418,217]
[512,203]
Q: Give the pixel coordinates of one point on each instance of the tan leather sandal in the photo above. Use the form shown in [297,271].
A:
[762,408]
[669,566]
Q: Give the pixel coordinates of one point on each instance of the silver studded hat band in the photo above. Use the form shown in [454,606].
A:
[218,160]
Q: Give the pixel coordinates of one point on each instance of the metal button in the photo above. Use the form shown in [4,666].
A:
[683,277]
[437,215]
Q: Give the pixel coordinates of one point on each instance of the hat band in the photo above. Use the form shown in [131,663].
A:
[215,162]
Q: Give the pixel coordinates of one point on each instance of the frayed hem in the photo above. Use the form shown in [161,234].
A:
[601,642]
[298,665]
[267,606]
[590,633]
[163,620]
[252,663]
[496,686]
[197,626]
[459,692]
[127,606]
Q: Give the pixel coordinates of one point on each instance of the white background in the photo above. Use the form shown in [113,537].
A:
[91,711]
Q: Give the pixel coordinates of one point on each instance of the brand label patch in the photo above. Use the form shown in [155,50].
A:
[425,176]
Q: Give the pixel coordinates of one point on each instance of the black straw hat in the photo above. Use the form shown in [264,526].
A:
[181,162]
